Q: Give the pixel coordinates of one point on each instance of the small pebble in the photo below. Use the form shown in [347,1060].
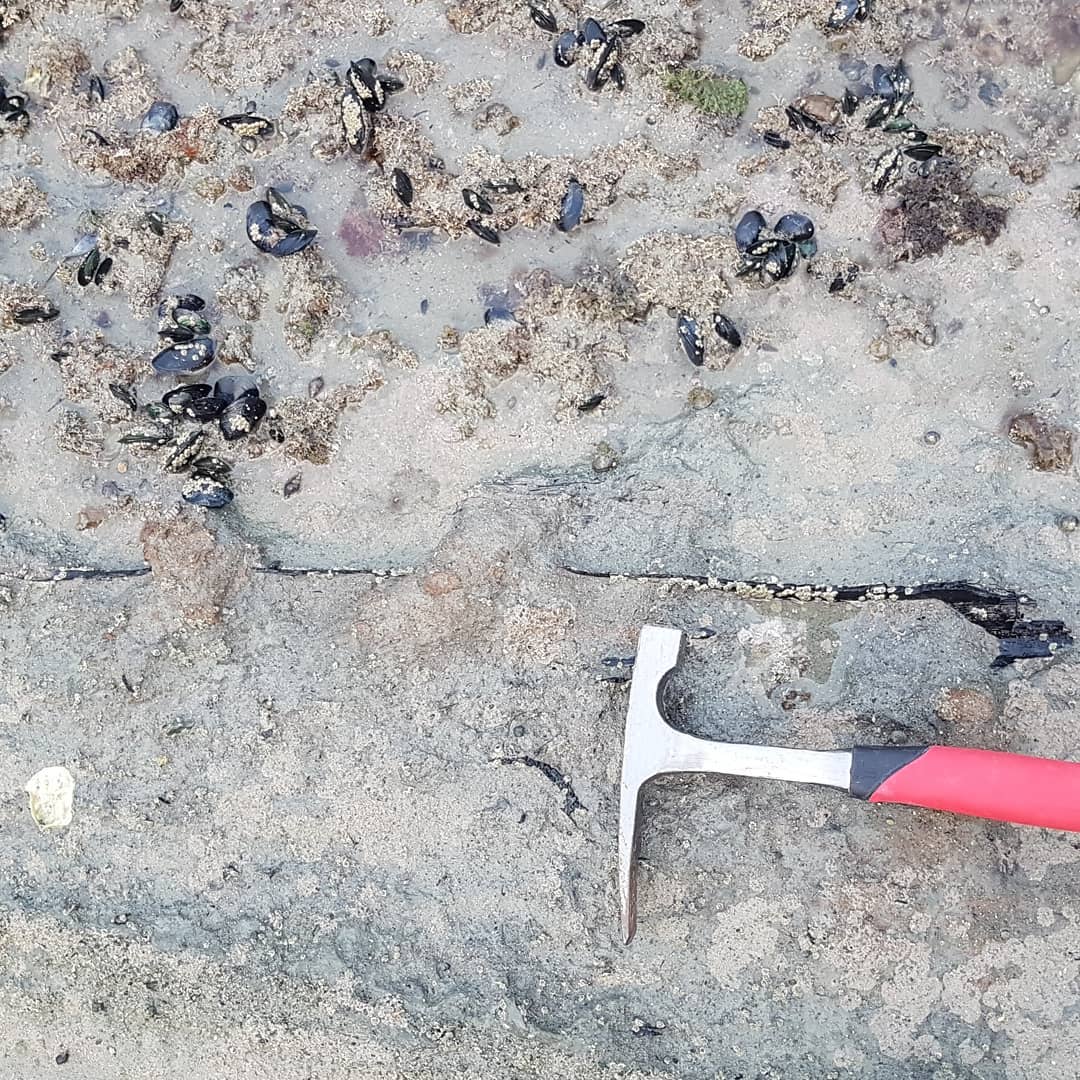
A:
[932,438]
[62,1057]
[605,459]
[161,117]
[1068,523]
[700,397]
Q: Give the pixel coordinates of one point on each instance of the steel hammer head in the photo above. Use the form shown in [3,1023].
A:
[649,749]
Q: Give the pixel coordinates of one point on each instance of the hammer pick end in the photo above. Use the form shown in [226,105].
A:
[646,751]
[629,799]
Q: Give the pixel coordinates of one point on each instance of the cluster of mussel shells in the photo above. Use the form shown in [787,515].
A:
[692,340]
[278,227]
[597,45]
[845,12]
[13,110]
[890,94]
[773,253]
[364,95]
[232,402]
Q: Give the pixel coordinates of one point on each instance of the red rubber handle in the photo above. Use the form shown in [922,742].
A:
[988,784]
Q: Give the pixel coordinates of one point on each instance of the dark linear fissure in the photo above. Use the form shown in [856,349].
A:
[996,612]
[570,800]
[102,573]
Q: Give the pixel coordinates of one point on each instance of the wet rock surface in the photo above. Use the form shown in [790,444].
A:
[346,746]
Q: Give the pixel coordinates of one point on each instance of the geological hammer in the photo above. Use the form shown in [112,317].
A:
[982,783]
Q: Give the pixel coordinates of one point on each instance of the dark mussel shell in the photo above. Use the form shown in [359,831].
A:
[27,316]
[483,231]
[287,211]
[752,259]
[231,387]
[795,227]
[241,417]
[213,467]
[626,28]
[749,229]
[179,397]
[176,334]
[187,301]
[190,321]
[887,167]
[156,434]
[475,201]
[566,48]
[274,235]
[690,339]
[391,84]
[185,452]
[543,18]
[402,186]
[247,125]
[779,262]
[573,204]
[504,187]
[842,13]
[605,60]
[881,80]
[726,330]
[356,122]
[124,394]
[776,140]
[365,83]
[592,33]
[923,151]
[205,408]
[185,357]
[207,492]
[88,267]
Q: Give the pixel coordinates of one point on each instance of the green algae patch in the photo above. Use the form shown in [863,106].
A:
[714,95]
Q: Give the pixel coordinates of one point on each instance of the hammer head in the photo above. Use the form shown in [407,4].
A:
[648,744]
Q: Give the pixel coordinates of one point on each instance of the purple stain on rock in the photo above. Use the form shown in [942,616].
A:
[362,233]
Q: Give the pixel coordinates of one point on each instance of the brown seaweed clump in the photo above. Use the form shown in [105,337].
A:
[936,210]
[1050,444]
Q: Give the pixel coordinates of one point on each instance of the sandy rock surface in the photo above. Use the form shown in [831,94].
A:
[363,823]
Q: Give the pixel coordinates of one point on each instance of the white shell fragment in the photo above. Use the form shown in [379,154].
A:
[52,797]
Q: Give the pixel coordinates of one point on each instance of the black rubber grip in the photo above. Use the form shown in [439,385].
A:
[871,766]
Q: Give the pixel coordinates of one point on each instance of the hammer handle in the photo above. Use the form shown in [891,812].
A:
[981,783]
